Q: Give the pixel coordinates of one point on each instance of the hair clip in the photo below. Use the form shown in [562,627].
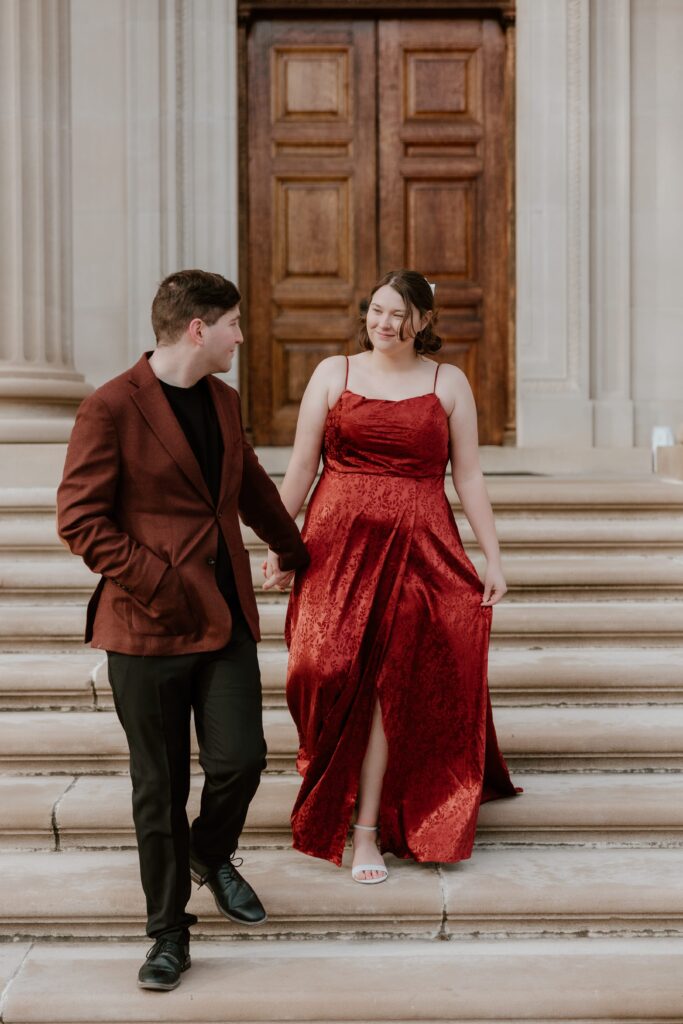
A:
[432,286]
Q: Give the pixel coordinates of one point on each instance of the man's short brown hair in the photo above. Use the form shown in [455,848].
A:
[187,295]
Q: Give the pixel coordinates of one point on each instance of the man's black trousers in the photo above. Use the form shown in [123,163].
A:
[153,698]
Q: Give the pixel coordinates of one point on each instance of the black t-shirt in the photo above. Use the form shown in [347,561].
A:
[196,414]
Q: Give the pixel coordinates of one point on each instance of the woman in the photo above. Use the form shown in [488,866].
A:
[388,627]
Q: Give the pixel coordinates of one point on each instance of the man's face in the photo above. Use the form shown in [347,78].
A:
[221,339]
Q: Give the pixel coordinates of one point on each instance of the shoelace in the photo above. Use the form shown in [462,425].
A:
[226,869]
[164,947]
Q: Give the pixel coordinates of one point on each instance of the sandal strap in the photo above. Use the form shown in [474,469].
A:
[367,828]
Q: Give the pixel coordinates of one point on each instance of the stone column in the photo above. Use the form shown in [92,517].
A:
[39,386]
[553,355]
[181,75]
[611,357]
[656,215]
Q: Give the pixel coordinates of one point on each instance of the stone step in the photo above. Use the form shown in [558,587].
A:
[519,622]
[61,681]
[548,738]
[634,532]
[60,626]
[525,493]
[523,891]
[524,675]
[531,675]
[520,492]
[516,676]
[655,575]
[71,812]
[523,980]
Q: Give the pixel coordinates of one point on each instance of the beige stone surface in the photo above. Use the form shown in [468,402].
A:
[53,741]
[592,806]
[562,807]
[585,980]
[585,673]
[547,736]
[28,529]
[588,674]
[561,573]
[96,811]
[11,957]
[634,736]
[533,890]
[61,574]
[583,487]
[99,894]
[601,890]
[629,621]
[670,462]
[26,807]
[632,530]
[45,624]
[28,681]
[606,621]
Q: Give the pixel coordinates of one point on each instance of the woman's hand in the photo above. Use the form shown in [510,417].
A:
[275,576]
[495,586]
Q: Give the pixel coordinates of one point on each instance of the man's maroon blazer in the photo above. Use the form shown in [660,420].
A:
[134,505]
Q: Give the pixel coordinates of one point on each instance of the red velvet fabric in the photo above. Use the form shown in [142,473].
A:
[390,605]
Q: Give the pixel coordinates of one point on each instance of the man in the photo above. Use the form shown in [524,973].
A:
[156,473]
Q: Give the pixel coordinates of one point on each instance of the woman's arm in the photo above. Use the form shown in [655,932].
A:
[468,478]
[322,392]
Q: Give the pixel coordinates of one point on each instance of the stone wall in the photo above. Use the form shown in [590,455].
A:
[599,218]
[119,164]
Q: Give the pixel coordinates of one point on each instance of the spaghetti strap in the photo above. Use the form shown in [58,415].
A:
[346,381]
[438,367]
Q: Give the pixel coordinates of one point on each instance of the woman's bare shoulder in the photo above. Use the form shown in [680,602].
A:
[452,376]
[452,387]
[329,369]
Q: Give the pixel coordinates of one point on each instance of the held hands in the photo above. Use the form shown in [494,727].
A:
[275,576]
[495,586]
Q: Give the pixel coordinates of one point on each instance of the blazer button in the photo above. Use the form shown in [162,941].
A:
[211,561]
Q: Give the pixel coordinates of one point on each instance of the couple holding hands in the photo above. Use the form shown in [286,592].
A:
[388,622]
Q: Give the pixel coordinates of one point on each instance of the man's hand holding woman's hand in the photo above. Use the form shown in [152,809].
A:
[275,576]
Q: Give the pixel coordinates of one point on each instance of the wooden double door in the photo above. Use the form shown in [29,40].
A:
[374,145]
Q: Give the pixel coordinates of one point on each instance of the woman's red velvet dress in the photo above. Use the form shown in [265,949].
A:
[390,607]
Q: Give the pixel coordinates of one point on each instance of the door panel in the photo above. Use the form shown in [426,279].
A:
[312,215]
[442,188]
[359,164]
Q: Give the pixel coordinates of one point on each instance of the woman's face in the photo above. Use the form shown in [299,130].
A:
[385,316]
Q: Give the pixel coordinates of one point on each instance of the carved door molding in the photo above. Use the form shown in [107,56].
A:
[371,145]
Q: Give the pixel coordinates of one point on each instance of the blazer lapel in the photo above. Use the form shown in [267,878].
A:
[230,439]
[151,401]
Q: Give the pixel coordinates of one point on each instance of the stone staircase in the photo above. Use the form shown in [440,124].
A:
[572,906]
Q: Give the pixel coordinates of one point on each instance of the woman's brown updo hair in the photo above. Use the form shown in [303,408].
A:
[416,293]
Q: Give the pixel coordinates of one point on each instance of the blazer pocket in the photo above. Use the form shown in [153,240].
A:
[169,613]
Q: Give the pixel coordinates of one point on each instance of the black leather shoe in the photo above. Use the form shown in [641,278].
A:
[234,897]
[166,961]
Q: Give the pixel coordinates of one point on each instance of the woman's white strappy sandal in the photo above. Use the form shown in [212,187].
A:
[360,868]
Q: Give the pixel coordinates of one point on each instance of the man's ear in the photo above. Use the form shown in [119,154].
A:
[195,330]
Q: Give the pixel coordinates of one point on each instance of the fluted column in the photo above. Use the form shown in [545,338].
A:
[39,386]
[611,356]
[553,220]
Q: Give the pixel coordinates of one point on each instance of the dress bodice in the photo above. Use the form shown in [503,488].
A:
[408,437]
